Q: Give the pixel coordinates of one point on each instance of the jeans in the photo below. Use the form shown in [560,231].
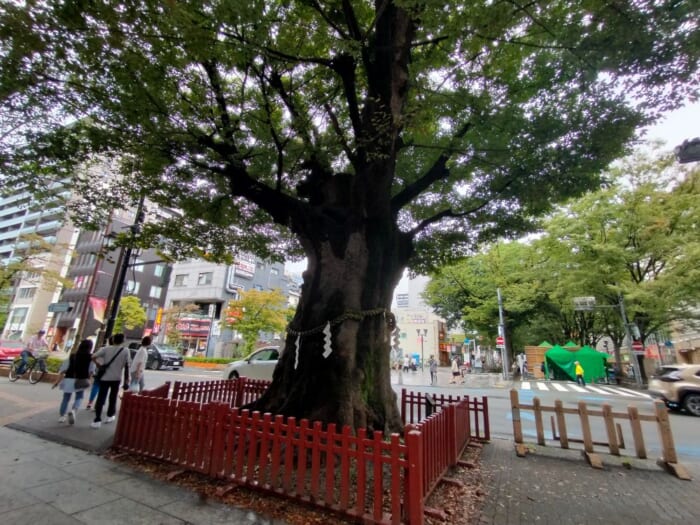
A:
[94,390]
[580,380]
[140,383]
[111,388]
[66,400]
[25,355]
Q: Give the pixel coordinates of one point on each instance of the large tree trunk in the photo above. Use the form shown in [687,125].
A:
[354,266]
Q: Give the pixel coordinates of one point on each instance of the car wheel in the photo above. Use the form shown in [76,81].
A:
[157,364]
[233,375]
[691,402]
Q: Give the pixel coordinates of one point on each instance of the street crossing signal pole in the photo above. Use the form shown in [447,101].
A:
[502,333]
[628,334]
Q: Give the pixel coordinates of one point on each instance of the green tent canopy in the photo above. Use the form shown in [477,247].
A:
[545,344]
[560,363]
[570,344]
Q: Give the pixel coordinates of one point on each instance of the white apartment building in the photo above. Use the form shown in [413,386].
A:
[32,293]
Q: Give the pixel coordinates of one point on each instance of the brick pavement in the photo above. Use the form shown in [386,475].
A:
[555,486]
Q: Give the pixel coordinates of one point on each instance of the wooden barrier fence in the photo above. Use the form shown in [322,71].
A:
[360,475]
[613,430]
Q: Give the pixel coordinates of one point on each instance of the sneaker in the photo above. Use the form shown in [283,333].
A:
[89,406]
[62,419]
[110,419]
[71,417]
[96,424]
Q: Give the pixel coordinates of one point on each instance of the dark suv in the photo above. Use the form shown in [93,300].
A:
[160,356]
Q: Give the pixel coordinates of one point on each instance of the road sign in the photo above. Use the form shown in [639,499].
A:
[60,307]
[500,342]
[638,347]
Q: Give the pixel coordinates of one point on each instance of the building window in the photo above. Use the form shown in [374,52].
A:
[138,265]
[132,287]
[205,278]
[158,270]
[180,280]
[155,292]
[17,318]
[26,293]
[274,271]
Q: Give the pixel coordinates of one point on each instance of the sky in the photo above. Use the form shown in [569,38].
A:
[677,126]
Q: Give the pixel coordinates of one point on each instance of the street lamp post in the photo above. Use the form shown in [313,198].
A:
[422,332]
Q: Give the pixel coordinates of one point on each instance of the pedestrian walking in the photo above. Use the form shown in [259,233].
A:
[406,363]
[433,370]
[115,358]
[74,378]
[455,371]
[95,380]
[578,370]
[138,365]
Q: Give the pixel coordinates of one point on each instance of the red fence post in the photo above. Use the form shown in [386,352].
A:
[414,497]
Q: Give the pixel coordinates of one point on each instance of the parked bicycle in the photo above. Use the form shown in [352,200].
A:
[35,367]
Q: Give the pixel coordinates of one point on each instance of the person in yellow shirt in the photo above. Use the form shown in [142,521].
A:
[578,369]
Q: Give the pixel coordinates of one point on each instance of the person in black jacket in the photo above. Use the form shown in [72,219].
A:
[74,377]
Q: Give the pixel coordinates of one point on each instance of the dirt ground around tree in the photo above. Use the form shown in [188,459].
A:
[456,500]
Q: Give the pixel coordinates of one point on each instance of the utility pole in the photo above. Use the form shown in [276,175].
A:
[123,267]
[628,334]
[502,333]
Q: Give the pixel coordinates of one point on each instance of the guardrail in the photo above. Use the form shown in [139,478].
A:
[613,430]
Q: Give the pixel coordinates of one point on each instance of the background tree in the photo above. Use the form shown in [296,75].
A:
[258,311]
[31,261]
[130,315]
[367,136]
[636,238]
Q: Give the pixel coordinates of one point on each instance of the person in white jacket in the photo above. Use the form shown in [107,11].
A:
[116,358]
[138,365]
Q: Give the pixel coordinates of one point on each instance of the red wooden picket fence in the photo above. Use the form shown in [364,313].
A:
[358,474]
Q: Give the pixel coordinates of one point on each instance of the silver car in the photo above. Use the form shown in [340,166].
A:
[678,385]
[258,365]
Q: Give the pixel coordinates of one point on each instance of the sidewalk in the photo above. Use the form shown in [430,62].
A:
[52,474]
[47,482]
[472,380]
[555,486]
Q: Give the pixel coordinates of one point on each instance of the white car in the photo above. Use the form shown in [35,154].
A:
[258,365]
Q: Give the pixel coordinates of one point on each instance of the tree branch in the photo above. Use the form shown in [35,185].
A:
[443,214]
[436,172]
[449,213]
[341,136]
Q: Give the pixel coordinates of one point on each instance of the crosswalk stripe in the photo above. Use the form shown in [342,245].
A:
[598,390]
[635,393]
[617,391]
[568,387]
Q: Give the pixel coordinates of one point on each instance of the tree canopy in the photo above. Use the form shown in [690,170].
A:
[470,116]
[257,311]
[131,314]
[636,238]
[367,136]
